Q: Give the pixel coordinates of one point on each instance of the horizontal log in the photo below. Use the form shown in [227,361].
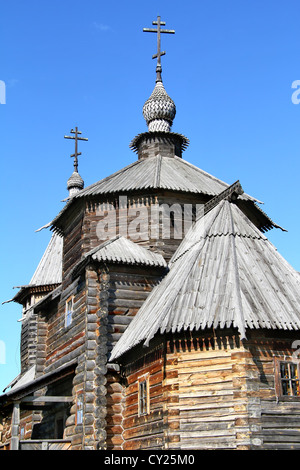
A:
[46,399]
[280,446]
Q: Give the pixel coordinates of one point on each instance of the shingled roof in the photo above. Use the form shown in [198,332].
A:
[225,273]
[169,173]
[122,250]
[49,269]
[165,173]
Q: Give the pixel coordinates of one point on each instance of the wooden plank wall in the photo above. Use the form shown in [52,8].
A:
[126,216]
[63,343]
[280,417]
[128,289]
[72,248]
[50,444]
[222,395]
[28,341]
[203,395]
[147,431]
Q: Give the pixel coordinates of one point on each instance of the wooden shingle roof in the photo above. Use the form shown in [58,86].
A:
[49,269]
[169,173]
[225,273]
[122,250]
[163,173]
[48,272]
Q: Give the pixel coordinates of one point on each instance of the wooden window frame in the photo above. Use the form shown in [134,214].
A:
[279,380]
[69,316]
[143,395]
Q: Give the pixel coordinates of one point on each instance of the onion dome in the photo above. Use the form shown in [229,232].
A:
[159,110]
[75,183]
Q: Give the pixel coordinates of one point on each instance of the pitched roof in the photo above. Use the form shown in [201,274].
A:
[26,384]
[22,380]
[225,273]
[170,173]
[49,269]
[121,250]
[164,173]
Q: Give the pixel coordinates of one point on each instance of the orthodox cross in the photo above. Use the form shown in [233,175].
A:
[159,52]
[76,138]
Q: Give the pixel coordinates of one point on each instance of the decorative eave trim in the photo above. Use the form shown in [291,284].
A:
[134,144]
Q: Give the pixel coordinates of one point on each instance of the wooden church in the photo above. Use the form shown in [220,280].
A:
[160,317]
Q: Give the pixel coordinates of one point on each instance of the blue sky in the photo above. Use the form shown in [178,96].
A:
[229,68]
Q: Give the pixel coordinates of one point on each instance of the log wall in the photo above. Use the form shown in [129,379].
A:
[128,289]
[134,217]
[206,402]
[279,426]
[72,247]
[145,431]
[211,391]
[64,343]
[224,394]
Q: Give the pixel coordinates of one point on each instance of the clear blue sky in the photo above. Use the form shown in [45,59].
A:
[229,68]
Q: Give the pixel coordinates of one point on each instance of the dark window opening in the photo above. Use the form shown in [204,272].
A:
[59,427]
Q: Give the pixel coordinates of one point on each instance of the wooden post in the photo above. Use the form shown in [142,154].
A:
[15,426]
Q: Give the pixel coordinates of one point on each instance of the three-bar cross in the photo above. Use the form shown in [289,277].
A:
[159,52]
[76,138]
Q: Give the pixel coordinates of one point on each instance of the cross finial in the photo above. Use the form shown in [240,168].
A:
[159,52]
[76,138]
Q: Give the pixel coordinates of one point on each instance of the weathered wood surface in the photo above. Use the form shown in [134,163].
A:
[159,237]
[51,444]
[203,412]
[145,431]
[220,396]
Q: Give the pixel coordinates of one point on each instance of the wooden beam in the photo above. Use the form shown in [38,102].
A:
[46,399]
[15,425]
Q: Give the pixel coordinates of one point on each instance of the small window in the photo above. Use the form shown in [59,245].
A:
[289,378]
[79,409]
[69,311]
[143,396]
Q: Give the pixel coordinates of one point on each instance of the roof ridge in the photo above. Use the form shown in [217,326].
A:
[191,230]
[102,245]
[157,170]
[240,320]
[214,178]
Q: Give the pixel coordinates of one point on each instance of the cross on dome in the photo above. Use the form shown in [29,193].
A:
[159,110]
[76,138]
[75,182]
[159,53]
